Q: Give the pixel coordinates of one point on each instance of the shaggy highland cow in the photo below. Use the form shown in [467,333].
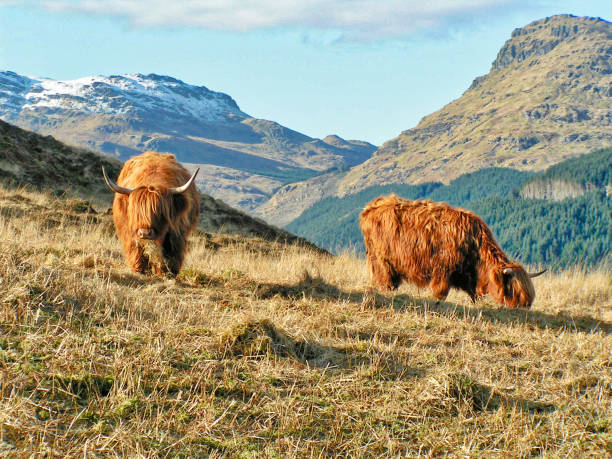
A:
[429,243]
[156,206]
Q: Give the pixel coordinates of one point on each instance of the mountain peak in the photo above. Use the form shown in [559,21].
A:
[546,99]
[115,94]
[542,36]
[334,140]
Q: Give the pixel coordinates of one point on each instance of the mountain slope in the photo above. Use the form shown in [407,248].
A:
[127,114]
[547,98]
[27,158]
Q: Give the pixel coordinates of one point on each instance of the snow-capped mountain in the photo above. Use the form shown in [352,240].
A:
[119,95]
[243,159]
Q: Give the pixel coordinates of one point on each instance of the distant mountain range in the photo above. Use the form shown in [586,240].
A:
[547,98]
[243,159]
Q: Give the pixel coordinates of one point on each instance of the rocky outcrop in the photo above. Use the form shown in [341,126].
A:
[554,190]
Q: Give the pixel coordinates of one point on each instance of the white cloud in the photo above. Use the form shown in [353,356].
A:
[356,18]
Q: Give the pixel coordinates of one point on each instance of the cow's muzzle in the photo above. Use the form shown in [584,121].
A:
[146,233]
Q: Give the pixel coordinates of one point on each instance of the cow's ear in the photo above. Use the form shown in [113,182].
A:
[179,203]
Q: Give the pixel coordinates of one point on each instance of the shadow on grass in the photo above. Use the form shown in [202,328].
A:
[188,279]
[317,288]
[501,315]
[128,279]
[458,392]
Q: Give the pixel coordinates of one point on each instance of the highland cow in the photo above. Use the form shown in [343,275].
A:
[155,208]
[429,243]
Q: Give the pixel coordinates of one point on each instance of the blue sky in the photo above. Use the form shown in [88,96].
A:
[362,69]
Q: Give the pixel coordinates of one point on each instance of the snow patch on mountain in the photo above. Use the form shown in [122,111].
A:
[117,95]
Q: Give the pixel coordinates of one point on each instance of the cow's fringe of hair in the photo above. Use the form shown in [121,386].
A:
[521,279]
[494,258]
[147,202]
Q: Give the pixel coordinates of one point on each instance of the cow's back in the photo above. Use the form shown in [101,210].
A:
[153,169]
[420,239]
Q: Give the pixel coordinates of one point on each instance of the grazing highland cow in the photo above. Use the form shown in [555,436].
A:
[156,205]
[429,243]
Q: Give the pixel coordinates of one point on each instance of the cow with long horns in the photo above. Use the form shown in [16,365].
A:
[436,245]
[155,208]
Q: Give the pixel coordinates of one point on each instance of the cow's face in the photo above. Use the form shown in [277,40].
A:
[512,286]
[152,211]
[518,288]
[149,213]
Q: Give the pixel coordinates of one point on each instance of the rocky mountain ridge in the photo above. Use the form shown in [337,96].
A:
[117,95]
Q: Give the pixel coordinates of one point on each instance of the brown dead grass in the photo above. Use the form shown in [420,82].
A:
[262,350]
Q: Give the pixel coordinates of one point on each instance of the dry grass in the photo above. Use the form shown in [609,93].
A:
[257,349]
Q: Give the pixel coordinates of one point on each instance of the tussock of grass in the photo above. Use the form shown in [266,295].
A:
[258,349]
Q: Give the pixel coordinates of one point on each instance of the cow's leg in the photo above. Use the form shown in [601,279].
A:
[439,288]
[382,274]
[472,293]
[173,250]
[465,280]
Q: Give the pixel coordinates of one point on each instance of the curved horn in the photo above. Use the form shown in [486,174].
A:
[537,274]
[182,189]
[509,271]
[113,186]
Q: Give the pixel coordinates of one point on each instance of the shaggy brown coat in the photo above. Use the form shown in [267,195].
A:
[152,210]
[429,243]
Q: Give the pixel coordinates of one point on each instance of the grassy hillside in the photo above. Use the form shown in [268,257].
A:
[263,350]
[45,163]
[574,230]
[39,162]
